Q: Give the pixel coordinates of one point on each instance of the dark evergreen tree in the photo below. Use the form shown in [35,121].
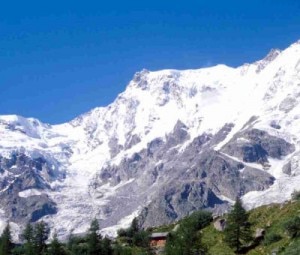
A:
[237,232]
[174,244]
[6,244]
[134,228]
[77,245]
[106,247]
[296,195]
[28,238]
[292,226]
[55,247]
[122,250]
[187,239]
[141,238]
[94,239]
[18,250]
[71,241]
[41,234]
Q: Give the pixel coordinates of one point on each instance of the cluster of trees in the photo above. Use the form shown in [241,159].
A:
[187,238]
[131,238]
[239,237]
[35,237]
[34,240]
[5,241]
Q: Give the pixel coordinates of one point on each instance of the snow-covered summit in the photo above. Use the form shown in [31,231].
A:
[169,110]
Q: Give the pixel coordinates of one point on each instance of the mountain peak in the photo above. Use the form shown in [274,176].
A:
[271,56]
[196,126]
[273,53]
[139,79]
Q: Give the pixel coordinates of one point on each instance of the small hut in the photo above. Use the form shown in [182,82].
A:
[158,240]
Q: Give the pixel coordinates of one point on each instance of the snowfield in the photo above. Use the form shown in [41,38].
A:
[204,100]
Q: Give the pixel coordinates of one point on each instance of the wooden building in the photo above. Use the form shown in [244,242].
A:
[158,240]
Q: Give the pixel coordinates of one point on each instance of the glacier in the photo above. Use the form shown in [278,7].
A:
[78,167]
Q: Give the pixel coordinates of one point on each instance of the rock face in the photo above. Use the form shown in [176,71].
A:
[173,142]
[24,184]
[259,233]
[198,180]
[256,146]
[220,224]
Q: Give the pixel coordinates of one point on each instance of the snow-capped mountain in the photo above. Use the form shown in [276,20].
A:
[171,143]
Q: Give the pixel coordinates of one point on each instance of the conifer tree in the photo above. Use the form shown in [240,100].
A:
[237,232]
[94,239]
[55,247]
[41,234]
[6,244]
[187,239]
[77,245]
[28,238]
[134,228]
[106,247]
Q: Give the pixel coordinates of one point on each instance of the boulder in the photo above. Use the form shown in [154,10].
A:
[220,224]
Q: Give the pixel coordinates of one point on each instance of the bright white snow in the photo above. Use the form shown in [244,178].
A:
[29,193]
[204,100]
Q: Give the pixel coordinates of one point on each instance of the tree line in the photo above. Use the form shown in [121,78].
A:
[34,241]
[35,238]
[133,240]
[184,240]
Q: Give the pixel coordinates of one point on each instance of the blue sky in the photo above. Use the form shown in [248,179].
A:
[59,59]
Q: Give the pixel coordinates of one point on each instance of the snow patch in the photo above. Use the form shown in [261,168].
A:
[224,198]
[204,100]
[279,192]
[123,223]
[29,193]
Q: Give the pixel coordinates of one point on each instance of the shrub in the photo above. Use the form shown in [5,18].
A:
[186,240]
[141,239]
[200,219]
[292,227]
[271,238]
[122,232]
[293,248]
[296,195]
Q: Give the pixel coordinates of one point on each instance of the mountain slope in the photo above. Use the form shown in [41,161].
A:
[172,142]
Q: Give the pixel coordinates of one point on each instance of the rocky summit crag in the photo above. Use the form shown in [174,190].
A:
[172,143]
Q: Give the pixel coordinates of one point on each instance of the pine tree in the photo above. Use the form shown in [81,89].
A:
[28,238]
[94,239]
[133,229]
[187,239]
[6,244]
[41,234]
[134,226]
[77,245]
[237,232]
[106,247]
[55,247]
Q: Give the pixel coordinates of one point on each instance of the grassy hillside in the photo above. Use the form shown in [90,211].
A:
[272,218]
[196,233]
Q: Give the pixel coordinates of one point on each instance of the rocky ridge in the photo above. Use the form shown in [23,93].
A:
[171,143]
